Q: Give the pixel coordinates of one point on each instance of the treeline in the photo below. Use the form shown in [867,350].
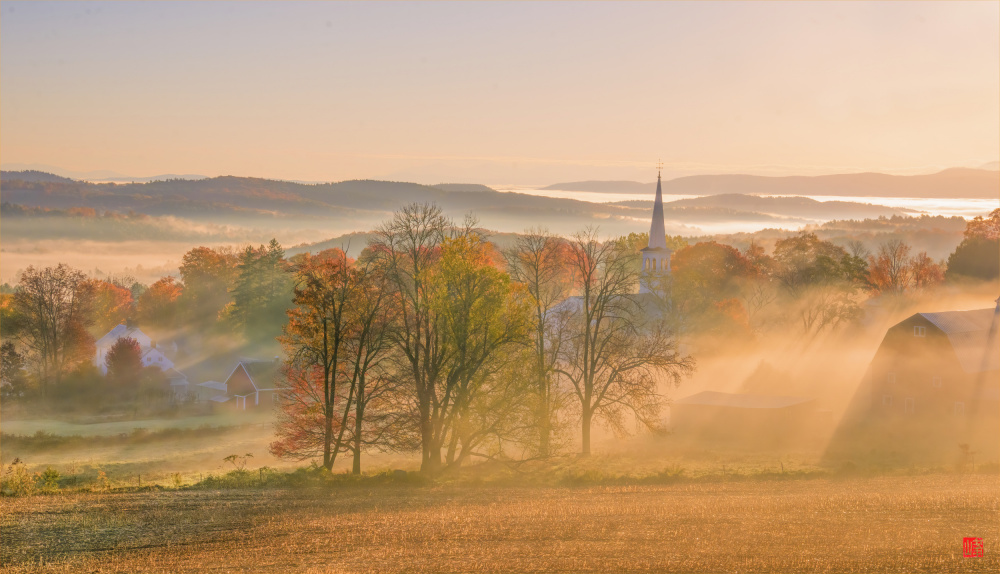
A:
[51,318]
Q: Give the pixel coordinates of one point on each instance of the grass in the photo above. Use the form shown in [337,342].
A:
[858,524]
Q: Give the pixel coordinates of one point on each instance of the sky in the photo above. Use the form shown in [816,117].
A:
[497,93]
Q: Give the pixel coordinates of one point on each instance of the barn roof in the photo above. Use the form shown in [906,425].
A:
[969,334]
[961,321]
[742,400]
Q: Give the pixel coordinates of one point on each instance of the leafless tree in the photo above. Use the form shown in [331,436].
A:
[614,356]
[540,262]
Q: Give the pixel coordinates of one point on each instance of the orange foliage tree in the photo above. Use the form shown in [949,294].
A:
[158,306]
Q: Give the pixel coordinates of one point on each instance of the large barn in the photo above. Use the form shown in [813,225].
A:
[939,367]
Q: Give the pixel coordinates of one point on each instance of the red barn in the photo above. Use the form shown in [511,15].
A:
[938,367]
[254,384]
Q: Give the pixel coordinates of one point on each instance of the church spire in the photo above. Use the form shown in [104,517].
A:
[657,233]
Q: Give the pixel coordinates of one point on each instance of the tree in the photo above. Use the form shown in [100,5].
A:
[124,362]
[410,246]
[820,282]
[51,306]
[13,379]
[978,255]
[539,262]
[482,320]
[159,306]
[707,279]
[314,341]
[614,357]
[207,275]
[110,304]
[261,292]
[890,271]
[457,317]
[342,394]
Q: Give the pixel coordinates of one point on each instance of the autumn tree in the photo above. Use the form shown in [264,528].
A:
[614,356]
[124,361]
[52,310]
[110,304]
[707,282]
[314,341]
[820,282]
[539,262]
[482,319]
[159,306]
[457,317]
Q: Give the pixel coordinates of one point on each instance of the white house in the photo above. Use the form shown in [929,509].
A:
[151,356]
[104,344]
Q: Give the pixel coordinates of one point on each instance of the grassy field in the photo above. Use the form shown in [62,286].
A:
[881,524]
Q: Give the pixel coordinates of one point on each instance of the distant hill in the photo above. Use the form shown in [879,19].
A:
[33,175]
[604,186]
[780,206]
[992,166]
[954,182]
[463,187]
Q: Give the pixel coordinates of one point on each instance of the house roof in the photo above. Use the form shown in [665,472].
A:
[215,385]
[263,374]
[969,333]
[742,400]
[119,332]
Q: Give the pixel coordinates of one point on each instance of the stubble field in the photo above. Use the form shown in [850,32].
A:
[880,524]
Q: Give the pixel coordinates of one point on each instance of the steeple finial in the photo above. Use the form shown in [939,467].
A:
[659,168]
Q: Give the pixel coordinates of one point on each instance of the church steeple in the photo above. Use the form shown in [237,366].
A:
[656,254]
[657,233]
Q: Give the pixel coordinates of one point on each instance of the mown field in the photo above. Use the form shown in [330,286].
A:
[870,524]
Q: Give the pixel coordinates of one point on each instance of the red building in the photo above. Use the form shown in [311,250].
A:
[254,384]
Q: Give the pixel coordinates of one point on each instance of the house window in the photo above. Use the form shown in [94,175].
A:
[936,382]
[887,401]
[920,331]
[960,409]
[891,377]
[908,405]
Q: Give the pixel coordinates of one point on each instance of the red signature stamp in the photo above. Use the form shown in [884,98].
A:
[972,547]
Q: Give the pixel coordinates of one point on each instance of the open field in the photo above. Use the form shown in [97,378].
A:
[883,524]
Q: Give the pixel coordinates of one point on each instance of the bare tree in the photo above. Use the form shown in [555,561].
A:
[51,307]
[614,357]
[410,245]
[540,262]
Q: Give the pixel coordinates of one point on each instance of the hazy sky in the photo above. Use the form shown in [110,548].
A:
[523,93]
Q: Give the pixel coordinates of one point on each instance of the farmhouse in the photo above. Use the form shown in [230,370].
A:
[104,344]
[251,384]
[938,367]
[152,356]
[743,416]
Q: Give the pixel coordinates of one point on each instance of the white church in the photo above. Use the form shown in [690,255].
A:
[656,255]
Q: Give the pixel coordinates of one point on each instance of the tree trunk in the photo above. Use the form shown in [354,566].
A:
[359,414]
[587,418]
